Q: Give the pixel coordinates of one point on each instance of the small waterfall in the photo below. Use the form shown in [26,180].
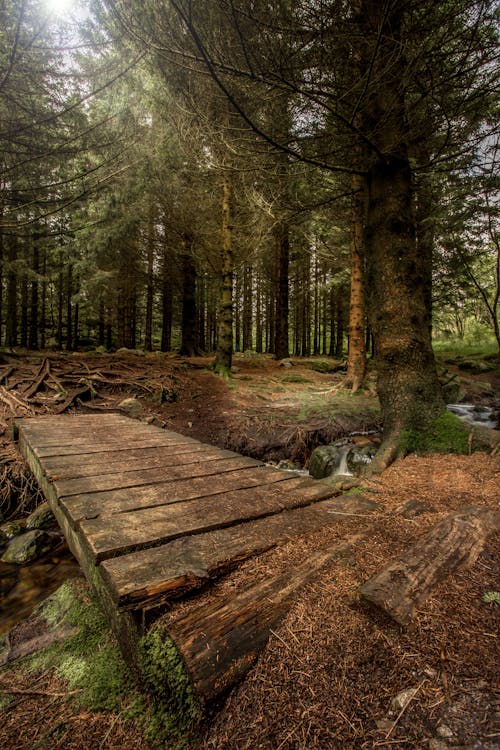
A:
[342,468]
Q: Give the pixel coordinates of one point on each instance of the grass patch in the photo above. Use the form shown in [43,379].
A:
[294,377]
[445,349]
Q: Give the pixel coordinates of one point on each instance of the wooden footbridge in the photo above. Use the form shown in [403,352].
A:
[152,515]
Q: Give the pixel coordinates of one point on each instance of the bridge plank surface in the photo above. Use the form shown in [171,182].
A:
[167,492]
[138,579]
[155,512]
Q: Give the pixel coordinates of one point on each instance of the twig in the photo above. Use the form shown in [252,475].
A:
[404,709]
[17,691]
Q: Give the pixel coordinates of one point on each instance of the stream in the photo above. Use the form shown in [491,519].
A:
[22,587]
[481,416]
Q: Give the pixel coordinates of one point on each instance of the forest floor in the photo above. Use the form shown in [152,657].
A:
[334,672]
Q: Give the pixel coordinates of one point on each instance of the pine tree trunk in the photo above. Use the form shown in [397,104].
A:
[398,282]
[33,323]
[258,317]
[282,262]
[11,313]
[43,301]
[340,317]
[69,315]
[166,304]
[148,324]
[23,333]
[1,275]
[247,309]
[224,354]
[189,334]
[356,357]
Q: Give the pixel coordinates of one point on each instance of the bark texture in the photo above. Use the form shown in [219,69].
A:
[224,354]
[397,280]
[401,587]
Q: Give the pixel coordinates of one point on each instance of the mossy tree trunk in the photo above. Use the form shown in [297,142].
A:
[224,353]
[397,280]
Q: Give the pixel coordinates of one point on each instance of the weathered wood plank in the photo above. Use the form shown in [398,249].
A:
[86,448]
[57,469]
[124,455]
[153,526]
[162,493]
[150,577]
[138,478]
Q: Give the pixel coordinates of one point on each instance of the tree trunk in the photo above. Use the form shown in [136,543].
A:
[148,325]
[1,274]
[166,304]
[43,301]
[258,316]
[282,239]
[69,316]
[408,386]
[23,333]
[356,357]
[189,335]
[217,643]
[224,353]
[340,316]
[401,587]
[11,314]
[33,323]
[247,309]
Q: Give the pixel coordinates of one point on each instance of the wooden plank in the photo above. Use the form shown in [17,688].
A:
[119,501]
[125,455]
[87,437]
[49,433]
[98,483]
[151,577]
[82,449]
[153,526]
[100,464]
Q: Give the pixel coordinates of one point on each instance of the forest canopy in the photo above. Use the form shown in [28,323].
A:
[288,176]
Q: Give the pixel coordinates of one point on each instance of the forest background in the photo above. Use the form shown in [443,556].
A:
[289,177]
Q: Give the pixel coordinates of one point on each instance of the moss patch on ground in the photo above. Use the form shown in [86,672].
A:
[445,434]
[90,660]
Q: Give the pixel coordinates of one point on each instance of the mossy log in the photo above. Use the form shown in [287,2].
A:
[219,641]
[454,543]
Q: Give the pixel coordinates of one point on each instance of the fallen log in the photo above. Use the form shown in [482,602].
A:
[196,658]
[454,543]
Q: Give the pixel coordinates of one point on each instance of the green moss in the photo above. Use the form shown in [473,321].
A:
[445,434]
[175,711]
[90,660]
[294,377]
